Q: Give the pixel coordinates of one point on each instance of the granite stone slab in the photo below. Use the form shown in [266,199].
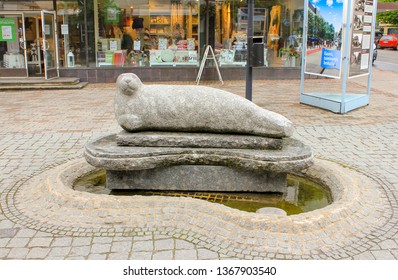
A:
[197,178]
[105,153]
[196,140]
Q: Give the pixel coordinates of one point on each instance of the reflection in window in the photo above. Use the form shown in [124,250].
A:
[134,33]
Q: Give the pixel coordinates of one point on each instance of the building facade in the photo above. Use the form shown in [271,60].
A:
[96,40]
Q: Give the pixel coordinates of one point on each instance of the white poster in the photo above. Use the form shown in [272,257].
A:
[367,19]
[364,61]
[162,44]
[64,29]
[367,28]
[6,32]
[47,29]
[368,9]
[112,14]
[137,45]
[113,45]
[366,42]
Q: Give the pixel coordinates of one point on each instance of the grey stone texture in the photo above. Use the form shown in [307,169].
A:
[105,153]
[196,140]
[140,107]
[197,178]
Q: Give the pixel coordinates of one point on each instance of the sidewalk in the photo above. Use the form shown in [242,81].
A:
[43,129]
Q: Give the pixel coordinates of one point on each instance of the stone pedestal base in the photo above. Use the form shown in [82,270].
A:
[197,178]
[198,161]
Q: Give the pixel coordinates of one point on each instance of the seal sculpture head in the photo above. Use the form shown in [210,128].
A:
[179,108]
[128,83]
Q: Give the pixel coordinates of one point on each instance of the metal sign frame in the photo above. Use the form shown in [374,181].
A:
[343,102]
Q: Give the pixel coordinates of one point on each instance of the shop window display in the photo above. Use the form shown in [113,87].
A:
[75,25]
[129,33]
[147,33]
[70,20]
[273,21]
[11,56]
[15,18]
[133,33]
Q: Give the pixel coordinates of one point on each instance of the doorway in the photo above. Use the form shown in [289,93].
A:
[28,44]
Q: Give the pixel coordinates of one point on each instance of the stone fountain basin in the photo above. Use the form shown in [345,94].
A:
[358,210]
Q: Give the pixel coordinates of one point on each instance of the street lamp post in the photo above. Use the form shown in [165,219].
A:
[249,68]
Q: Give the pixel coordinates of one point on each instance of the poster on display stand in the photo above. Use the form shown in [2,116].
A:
[323,55]
[341,48]
[361,44]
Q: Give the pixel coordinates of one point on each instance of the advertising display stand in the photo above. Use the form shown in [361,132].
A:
[342,51]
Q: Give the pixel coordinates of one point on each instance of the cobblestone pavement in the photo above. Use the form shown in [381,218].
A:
[42,130]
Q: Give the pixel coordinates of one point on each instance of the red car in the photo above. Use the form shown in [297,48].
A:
[388,41]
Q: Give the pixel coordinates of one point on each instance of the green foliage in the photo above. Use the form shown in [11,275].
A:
[212,10]
[318,27]
[390,17]
[290,51]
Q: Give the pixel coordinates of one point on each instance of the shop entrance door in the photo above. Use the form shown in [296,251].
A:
[50,44]
[28,44]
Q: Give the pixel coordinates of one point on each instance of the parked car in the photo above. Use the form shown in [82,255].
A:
[388,41]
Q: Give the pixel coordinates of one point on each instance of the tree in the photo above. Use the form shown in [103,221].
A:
[311,25]
[389,17]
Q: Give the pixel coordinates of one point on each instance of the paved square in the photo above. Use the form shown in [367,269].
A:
[43,129]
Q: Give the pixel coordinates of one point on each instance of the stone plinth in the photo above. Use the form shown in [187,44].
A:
[197,162]
[197,178]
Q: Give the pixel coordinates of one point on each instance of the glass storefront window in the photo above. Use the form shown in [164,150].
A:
[71,28]
[11,45]
[278,23]
[20,52]
[76,33]
[134,33]
[147,33]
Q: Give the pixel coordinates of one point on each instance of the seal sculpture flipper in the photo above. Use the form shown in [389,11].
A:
[140,107]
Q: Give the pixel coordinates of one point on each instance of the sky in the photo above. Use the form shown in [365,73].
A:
[331,11]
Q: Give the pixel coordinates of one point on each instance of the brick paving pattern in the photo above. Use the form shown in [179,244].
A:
[41,130]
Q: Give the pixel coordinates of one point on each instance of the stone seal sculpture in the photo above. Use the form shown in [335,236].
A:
[195,138]
[140,107]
